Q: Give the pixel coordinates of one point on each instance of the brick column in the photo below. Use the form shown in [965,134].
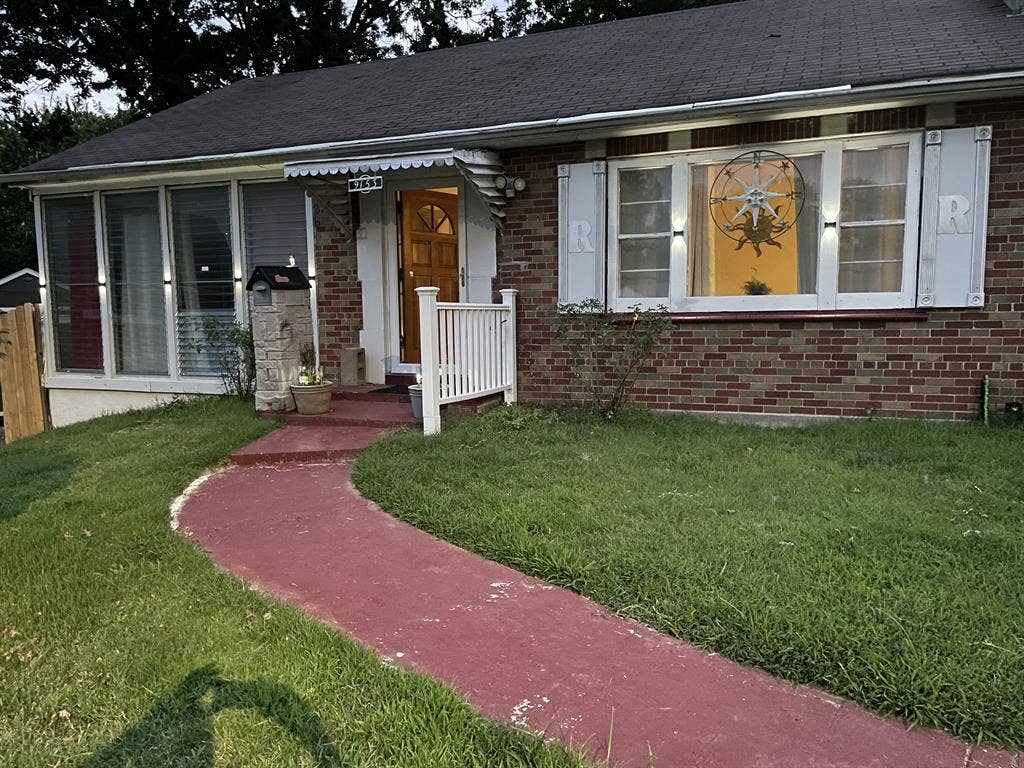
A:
[279,330]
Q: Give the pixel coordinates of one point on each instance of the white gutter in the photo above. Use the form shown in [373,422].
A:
[595,118]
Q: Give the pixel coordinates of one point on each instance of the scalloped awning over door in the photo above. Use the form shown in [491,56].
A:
[479,167]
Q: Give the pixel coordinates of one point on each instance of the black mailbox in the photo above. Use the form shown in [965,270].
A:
[267,279]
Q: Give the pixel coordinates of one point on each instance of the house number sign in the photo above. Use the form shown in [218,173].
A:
[365,184]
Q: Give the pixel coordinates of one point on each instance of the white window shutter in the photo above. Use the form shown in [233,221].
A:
[954,217]
[582,203]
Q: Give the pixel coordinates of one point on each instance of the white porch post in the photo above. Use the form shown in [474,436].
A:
[428,360]
[508,298]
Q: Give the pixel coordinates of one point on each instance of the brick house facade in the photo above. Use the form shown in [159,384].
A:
[900,363]
[530,164]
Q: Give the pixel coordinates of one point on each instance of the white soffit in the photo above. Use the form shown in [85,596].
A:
[478,166]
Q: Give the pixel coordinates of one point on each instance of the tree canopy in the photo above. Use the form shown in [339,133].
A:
[27,135]
[158,53]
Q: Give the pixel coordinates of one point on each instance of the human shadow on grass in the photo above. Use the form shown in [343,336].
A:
[178,731]
[30,475]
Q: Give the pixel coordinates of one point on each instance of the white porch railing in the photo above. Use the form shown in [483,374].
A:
[471,348]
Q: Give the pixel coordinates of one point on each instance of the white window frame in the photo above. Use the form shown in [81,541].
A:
[173,382]
[106,309]
[827,296]
[167,212]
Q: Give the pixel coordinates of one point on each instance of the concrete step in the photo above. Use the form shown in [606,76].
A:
[308,444]
[369,393]
[355,413]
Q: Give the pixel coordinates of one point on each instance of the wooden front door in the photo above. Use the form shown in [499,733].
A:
[430,256]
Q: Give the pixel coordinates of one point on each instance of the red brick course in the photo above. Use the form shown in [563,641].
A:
[338,293]
[922,368]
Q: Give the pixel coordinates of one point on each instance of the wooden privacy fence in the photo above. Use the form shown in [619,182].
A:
[21,386]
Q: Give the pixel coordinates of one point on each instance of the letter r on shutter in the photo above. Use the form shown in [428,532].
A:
[954,212]
[582,203]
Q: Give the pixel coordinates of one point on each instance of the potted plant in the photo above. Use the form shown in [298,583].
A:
[755,287]
[416,397]
[312,394]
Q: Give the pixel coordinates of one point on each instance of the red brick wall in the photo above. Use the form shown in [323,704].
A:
[923,365]
[756,133]
[338,292]
[905,118]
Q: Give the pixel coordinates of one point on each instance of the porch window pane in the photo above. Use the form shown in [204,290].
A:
[724,264]
[201,237]
[135,260]
[274,223]
[873,219]
[73,282]
[645,232]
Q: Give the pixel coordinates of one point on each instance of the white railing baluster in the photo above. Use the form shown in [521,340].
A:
[467,351]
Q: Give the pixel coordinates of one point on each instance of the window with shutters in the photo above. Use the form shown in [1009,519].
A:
[69,230]
[274,224]
[853,244]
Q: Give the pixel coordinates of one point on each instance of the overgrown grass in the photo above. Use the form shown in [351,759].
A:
[123,646]
[881,561]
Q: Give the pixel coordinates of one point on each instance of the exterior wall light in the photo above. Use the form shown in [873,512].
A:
[510,184]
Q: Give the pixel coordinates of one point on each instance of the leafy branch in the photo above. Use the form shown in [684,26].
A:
[607,350]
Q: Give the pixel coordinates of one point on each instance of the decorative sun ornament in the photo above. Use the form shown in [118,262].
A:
[756,197]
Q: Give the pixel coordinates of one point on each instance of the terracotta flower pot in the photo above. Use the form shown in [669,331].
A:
[311,399]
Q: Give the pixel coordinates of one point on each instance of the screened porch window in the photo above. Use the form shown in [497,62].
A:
[165,276]
[201,245]
[69,227]
[274,224]
[136,269]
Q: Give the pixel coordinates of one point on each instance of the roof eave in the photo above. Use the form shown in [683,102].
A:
[833,98]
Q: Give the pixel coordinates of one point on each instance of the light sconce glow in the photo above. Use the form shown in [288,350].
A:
[830,212]
[509,184]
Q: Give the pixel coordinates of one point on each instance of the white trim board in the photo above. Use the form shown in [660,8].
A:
[19,273]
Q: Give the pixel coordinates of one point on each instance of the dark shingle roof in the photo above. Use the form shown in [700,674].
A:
[725,51]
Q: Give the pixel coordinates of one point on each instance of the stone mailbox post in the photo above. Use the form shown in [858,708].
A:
[281,326]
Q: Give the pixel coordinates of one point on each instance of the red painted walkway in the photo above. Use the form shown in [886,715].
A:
[523,651]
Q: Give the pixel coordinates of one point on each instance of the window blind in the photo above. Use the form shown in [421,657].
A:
[274,223]
[136,267]
[201,242]
[73,283]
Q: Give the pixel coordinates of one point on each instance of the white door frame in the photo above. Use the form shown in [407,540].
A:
[392,297]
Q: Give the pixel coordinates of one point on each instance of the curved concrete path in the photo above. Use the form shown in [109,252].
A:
[523,651]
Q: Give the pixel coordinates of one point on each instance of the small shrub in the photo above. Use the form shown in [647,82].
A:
[607,350]
[235,355]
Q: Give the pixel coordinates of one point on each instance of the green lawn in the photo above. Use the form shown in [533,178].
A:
[881,561]
[122,646]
